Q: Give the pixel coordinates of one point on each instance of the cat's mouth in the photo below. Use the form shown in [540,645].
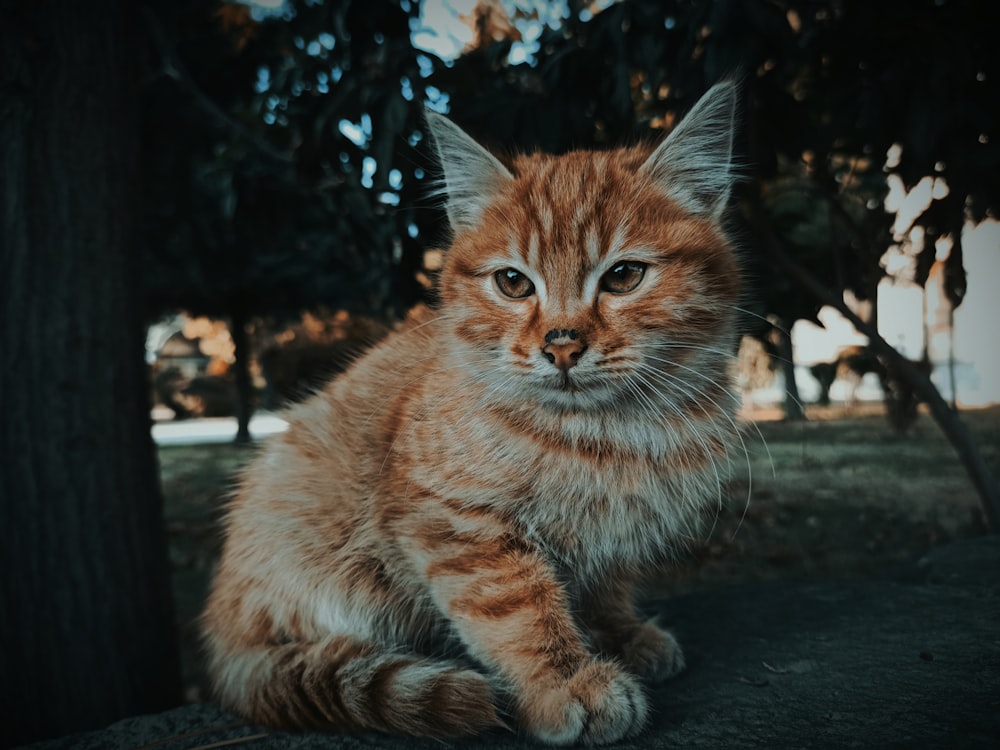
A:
[567,384]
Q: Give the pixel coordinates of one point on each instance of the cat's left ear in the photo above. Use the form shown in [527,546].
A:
[694,165]
[472,175]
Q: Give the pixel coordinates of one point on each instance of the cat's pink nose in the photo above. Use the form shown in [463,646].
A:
[564,353]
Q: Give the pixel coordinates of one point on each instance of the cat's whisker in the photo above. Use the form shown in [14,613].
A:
[689,391]
[696,433]
[487,398]
[736,430]
[732,394]
[767,320]
[459,366]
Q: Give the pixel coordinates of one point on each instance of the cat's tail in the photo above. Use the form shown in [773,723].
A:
[344,684]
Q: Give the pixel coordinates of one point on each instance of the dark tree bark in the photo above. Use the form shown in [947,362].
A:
[87,619]
[244,397]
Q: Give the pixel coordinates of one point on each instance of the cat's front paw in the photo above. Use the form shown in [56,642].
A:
[601,703]
[653,653]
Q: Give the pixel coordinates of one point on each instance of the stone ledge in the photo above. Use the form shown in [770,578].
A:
[908,661]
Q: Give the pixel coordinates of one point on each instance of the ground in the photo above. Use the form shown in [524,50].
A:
[909,660]
[836,497]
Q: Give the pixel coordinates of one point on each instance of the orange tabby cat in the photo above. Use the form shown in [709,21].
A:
[449,533]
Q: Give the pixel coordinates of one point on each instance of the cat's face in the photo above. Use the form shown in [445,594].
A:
[579,279]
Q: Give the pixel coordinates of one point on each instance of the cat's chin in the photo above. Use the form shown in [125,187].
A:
[570,395]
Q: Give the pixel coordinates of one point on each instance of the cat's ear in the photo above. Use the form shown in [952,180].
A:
[471,174]
[694,165]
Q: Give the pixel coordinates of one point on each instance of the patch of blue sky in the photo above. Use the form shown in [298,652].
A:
[352,132]
[443,27]
[437,100]
[395,179]
[263,79]
[261,10]
[358,133]
[406,88]
[440,28]
[426,64]
[368,167]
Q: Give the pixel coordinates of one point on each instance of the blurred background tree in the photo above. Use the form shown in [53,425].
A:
[280,166]
[286,153]
[288,163]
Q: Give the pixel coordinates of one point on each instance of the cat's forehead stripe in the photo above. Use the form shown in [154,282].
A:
[545,216]
[593,246]
[533,251]
[618,239]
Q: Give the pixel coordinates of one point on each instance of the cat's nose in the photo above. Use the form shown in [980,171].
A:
[563,348]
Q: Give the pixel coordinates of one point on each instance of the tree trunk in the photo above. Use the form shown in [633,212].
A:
[786,356]
[87,618]
[241,347]
[952,380]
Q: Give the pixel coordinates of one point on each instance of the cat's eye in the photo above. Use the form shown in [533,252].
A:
[513,283]
[623,277]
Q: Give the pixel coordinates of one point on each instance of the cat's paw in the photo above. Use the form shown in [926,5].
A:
[653,653]
[601,703]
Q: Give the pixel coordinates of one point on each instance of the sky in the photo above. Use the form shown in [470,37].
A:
[443,29]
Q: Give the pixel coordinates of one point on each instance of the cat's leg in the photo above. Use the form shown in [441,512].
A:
[504,601]
[617,629]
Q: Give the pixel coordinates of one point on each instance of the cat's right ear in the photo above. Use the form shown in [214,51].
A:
[471,175]
[694,165]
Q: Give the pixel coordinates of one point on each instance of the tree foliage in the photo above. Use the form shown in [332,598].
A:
[274,202]
[260,138]
[288,164]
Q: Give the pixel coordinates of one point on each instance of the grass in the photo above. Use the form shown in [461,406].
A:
[838,496]
[196,481]
[841,496]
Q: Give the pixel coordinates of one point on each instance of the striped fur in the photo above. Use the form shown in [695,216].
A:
[447,537]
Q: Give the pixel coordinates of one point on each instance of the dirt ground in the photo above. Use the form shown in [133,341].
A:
[837,496]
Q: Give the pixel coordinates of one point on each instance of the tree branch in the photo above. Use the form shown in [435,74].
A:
[173,68]
[948,420]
